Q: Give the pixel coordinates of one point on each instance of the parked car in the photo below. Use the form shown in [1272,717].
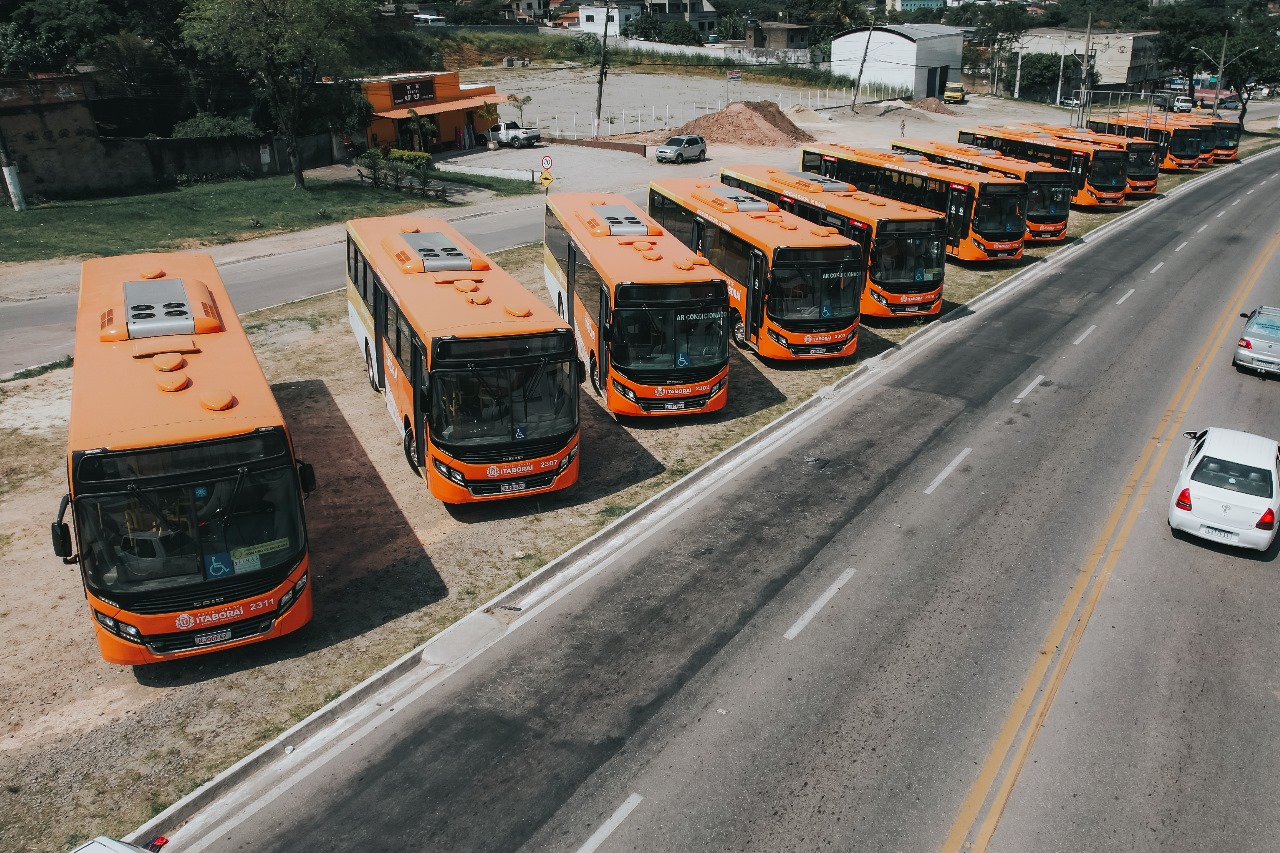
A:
[511,133]
[1259,345]
[1226,490]
[677,149]
[1183,104]
[1069,102]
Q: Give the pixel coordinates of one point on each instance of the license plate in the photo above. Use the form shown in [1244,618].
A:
[511,487]
[212,637]
[1224,535]
[911,308]
[673,407]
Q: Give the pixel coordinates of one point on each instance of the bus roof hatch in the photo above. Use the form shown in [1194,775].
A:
[620,220]
[437,252]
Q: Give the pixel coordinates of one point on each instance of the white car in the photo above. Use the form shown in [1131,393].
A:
[1226,491]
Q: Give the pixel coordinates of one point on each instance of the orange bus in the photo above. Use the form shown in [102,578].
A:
[1049,188]
[1223,135]
[794,287]
[183,486]
[479,376]
[1097,172]
[1179,143]
[986,214]
[904,245]
[650,317]
[1141,169]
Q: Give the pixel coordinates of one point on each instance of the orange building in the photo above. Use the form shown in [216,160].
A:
[455,110]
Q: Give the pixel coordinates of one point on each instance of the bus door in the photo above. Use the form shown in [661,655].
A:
[828,167]
[379,324]
[421,402]
[604,334]
[1079,169]
[957,215]
[755,295]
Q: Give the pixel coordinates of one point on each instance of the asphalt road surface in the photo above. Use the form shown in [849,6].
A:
[945,614]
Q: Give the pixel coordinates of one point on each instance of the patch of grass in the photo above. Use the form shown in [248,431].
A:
[616,510]
[38,370]
[496,185]
[205,214]
[25,456]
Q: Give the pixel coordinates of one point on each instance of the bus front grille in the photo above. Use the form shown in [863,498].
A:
[174,601]
[508,453]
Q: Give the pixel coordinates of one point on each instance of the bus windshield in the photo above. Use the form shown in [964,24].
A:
[995,216]
[661,338]
[818,285]
[1142,164]
[1107,170]
[1228,135]
[1184,144]
[1049,199]
[213,528]
[902,258]
[502,404]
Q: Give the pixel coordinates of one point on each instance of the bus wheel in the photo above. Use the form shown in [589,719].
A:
[411,449]
[739,331]
[373,372]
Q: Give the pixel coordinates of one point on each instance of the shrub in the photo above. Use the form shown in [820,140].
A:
[210,126]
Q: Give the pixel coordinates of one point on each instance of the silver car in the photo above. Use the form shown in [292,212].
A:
[677,149]
[1259,344]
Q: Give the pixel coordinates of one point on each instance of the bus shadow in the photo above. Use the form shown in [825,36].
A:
[367,563]
[611,461]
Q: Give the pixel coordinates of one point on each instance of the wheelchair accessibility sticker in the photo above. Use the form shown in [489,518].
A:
[218,565]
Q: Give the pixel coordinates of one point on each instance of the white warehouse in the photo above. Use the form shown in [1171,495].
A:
[901,60]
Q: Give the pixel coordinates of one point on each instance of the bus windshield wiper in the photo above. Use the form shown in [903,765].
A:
[235,492]
[151,503]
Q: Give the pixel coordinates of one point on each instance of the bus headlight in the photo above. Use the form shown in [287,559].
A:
[121,629]
[875,294]
[624,390]
[573,454]
[719,386]
[778,339]
[286,599]
[448,473]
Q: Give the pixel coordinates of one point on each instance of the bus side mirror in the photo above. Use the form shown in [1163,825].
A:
[581,369]
[307,477]
[61,539]
[1244,314]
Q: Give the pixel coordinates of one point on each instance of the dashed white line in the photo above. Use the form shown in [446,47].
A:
[1126,296]
[1234,203]
[955,463]
[1077,341]
[1031,387]
[1250,192]
[607,828]
[1156,267]
[1202,227]
[1180,248]
[1220,212]
[817,606]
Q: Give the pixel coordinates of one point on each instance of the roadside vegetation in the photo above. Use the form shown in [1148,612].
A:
[207,214]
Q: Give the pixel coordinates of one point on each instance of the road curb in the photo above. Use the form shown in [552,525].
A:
[457,643]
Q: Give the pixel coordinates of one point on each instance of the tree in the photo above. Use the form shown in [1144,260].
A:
[1039,79]
[49,35]
[283,45]
[520,103]
[1183,26]
[645,26]
[679,32]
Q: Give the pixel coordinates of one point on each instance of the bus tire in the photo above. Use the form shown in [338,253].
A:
[411,449]
[371,370]
[739,330]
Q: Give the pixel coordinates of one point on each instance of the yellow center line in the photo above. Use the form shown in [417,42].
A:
[1090,582]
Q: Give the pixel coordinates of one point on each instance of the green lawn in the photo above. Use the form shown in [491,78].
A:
[202,215]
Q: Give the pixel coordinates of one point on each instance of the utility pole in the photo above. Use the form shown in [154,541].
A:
[1086,85]
[853,104]
[1017,78]
[1062,62]
[604,69]
[1222,62]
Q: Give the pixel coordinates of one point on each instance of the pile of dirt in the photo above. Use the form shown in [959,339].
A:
[933,105]
[747,123]
[886,107]
[805,114]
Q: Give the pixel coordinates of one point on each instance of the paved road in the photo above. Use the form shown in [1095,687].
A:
[824,650]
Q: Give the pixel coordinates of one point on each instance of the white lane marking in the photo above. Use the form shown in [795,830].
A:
[1184,244]
[1250,192]
[1220,212]
[611,824]
[1156,267]
[1234,203]
[817,606]
[946,472]
[1202,227]
[1077,341]
[1027,391]
[1126,296]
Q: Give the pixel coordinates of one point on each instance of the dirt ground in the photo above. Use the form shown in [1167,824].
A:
[89,748]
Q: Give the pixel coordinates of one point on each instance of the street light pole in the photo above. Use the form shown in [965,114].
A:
[1223,62]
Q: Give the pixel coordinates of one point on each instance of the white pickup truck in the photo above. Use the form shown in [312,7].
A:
[511,133]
